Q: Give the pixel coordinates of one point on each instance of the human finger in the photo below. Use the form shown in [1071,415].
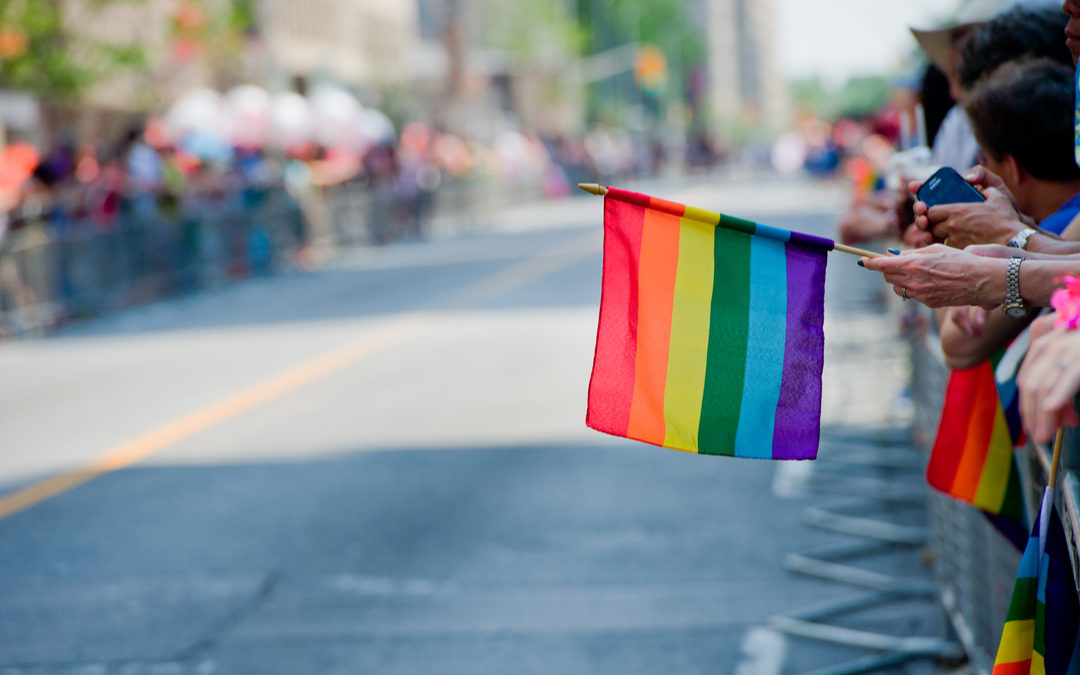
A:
[1041,326]
[980,176]
[1061,393]
[1038,377]
[962,319]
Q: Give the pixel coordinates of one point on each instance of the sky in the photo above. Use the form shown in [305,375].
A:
[840,38]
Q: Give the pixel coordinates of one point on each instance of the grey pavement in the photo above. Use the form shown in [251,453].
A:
[430,501]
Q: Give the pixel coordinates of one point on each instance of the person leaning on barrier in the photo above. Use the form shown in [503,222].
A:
[1020,114]
[988,275]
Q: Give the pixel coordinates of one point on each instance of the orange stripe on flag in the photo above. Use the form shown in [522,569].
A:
[656,293]
[980,430]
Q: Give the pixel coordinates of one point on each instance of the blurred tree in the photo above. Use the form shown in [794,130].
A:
[857,97]
[40,54]
[216,32]
[553,31]
[665,25]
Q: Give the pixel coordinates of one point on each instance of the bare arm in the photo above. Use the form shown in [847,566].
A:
[939,276]
[970,335]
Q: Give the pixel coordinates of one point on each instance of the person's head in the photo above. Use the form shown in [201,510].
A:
[1072,28]
[942,45]
[1011,35]
[1022,114]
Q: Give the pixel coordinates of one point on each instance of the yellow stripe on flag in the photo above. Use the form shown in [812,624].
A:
[689,348]
[1017,641]
[995,473]
[1038,664]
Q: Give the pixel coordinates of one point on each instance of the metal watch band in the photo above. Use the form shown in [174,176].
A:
[1012,283]
[1019,240]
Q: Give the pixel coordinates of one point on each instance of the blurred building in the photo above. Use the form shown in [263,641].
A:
[433,55]
[744,81]
[363,43]
[489,67]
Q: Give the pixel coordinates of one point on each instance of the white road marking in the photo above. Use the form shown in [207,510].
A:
[764,650]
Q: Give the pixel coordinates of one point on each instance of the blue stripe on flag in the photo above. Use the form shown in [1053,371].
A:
[765,347]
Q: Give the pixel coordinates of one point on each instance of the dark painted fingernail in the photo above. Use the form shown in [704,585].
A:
[861,263]
[894,251]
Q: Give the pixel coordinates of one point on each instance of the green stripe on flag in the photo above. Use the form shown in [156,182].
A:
[728,331]
[1022,605]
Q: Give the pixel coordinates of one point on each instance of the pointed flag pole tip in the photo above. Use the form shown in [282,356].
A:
[593,188]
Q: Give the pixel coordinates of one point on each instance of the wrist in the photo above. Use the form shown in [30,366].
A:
[1015,307]
[991,286]
[1019,238]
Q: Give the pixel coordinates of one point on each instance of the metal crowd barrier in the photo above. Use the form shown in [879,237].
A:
[974,565]
[53,269]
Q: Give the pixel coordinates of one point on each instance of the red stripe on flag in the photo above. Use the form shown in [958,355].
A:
[980,431]
[960,398]
[611,388]
[1014,668]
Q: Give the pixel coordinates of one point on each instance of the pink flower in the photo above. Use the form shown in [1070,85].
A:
[1066,301]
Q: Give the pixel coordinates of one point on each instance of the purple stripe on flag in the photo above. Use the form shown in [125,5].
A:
[811,240]
[798,414]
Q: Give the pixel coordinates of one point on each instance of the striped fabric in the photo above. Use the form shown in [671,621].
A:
[1040,630]
[972,458]
[710,338]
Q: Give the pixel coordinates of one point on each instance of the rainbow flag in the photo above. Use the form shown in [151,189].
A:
[710,337]
[1041,627]
[972,458]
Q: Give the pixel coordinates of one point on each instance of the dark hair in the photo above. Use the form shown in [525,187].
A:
[1009,36]
[936,100]
[1025,109]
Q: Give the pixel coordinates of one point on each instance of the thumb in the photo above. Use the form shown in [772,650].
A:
[1043,325]
[981,177]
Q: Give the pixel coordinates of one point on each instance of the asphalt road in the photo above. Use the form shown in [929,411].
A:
[382,467]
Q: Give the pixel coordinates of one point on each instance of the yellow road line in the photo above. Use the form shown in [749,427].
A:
[143,446]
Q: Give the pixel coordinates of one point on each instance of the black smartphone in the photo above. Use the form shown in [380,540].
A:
[946,186]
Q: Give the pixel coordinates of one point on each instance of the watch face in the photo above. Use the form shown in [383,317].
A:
[1015,311]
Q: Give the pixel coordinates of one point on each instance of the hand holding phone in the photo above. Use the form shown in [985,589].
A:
[946,186]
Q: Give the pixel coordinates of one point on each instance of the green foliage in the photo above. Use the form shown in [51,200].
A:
[529,30]
[858,96]
[665,24]
[39,54]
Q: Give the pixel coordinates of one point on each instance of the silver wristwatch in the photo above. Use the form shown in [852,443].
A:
[1014,304]
[1019,240]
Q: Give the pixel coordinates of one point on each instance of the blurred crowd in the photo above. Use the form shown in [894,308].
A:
[230,185]
[997,106]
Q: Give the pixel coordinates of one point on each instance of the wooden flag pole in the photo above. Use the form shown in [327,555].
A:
[600,191]
[1055,458]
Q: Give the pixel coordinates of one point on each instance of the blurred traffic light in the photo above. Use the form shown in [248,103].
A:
[651,70]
